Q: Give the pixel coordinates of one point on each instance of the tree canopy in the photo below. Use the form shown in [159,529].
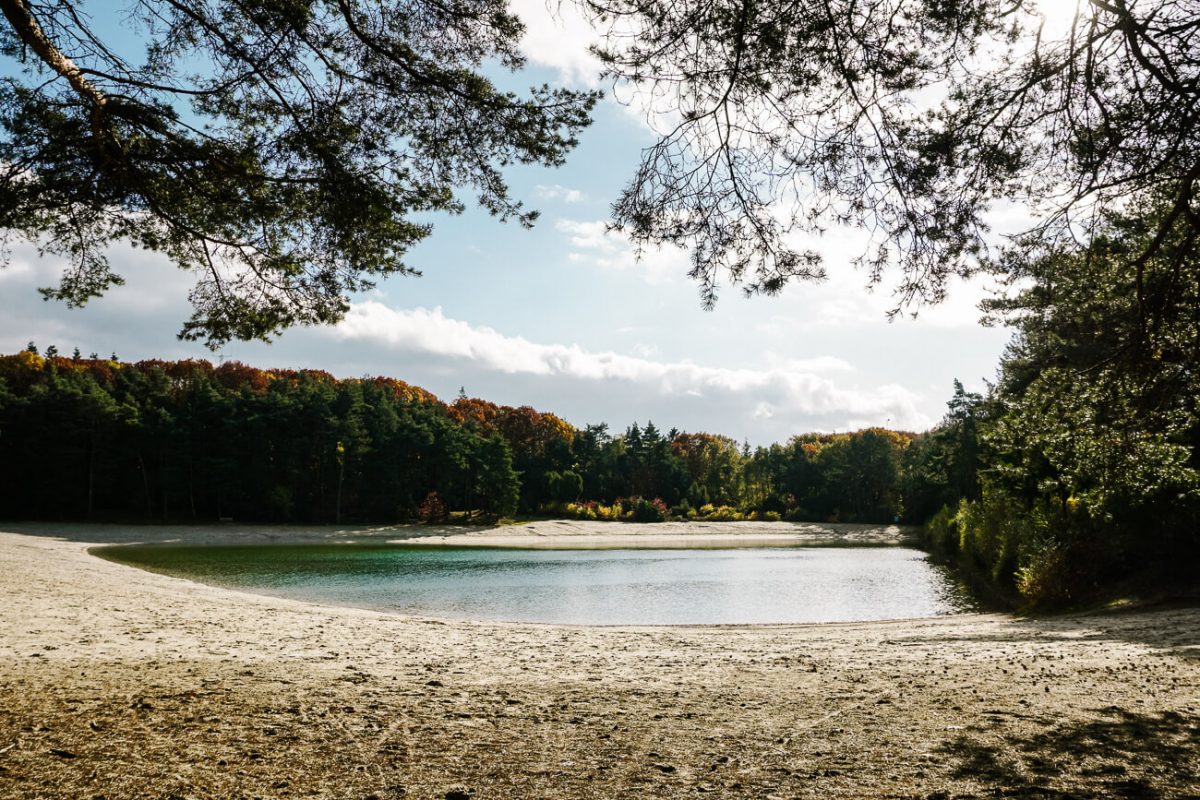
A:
[910,119]
[286,151]
[1085,454]
[99,438]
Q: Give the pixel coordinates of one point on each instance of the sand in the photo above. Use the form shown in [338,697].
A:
[118,683]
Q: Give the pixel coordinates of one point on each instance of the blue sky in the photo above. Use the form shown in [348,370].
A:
[563,318]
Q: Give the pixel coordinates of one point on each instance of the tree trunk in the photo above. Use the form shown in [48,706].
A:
[23,23]
[163,461]
[191,483]
[146,486]
[337,511]
[91,478]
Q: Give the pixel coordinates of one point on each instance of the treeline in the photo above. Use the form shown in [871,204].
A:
[93,438]
[88,438]
[1077,474]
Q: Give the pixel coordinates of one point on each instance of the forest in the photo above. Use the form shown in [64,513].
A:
[1076,470]
[98,438]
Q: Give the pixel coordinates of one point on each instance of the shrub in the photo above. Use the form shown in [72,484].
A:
[279,502]
[776,505]
[725,514]
[432,509]
[1048,554]
[1044,579]
[581,510]
[682,511]
[610,513]
[941,532]
[649,510]
[991,532]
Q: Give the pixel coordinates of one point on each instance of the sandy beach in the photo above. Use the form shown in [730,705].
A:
[118,683]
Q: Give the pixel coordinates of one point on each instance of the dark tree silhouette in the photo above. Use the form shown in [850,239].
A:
[908,119]
[280,149]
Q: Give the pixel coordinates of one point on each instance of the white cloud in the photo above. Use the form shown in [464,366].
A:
[159,283]
[845,300]
[594,245]
[138,319]
[15,270]
[558,35]
[592,235]
[817,364]
[780,393]
[556,192]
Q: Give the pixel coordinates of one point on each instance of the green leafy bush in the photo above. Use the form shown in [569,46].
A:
[649,510]
[941,532]
[681,511]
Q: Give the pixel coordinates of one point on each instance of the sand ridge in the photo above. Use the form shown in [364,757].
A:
[119,683]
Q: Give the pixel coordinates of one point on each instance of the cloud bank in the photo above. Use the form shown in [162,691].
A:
[792,392]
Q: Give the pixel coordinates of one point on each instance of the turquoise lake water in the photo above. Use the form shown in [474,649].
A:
[591,587]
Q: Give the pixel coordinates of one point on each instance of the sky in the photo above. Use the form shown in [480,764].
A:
[565,319]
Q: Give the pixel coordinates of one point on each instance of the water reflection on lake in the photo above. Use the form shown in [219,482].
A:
[604,587]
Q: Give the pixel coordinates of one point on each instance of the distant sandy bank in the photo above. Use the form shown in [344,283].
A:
[543,533]
[574,533]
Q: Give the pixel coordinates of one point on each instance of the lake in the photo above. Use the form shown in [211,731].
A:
[589,587]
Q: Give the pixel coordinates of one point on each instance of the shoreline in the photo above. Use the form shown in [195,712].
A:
[158,685]
[566,534]
[580,534]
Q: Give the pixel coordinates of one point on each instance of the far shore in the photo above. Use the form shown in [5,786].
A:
[540,534]
[121,683]
[579,533]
